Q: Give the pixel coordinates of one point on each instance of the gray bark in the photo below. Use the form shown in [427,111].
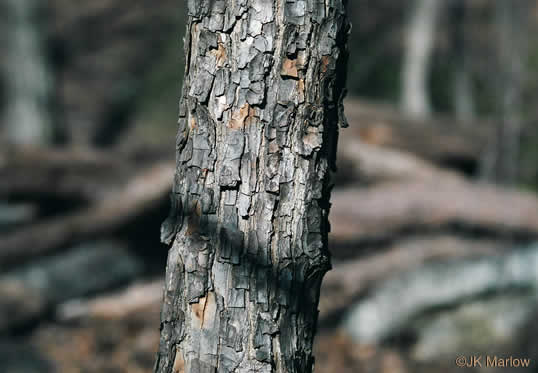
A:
[258,124]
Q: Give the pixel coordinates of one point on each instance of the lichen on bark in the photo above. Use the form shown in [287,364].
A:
[258,126]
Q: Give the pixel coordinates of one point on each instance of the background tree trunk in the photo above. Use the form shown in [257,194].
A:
[259,116]
[460,41]
[26,118]
[419,44]
[512,21]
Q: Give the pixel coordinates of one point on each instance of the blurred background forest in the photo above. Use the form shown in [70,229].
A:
[435,210]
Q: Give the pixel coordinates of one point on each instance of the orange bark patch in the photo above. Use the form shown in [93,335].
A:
[210,310]
[313,140]
[221,55]
[289,68]
[198,309]
[300,91]
[273,147]
[179,362]
[252,114]
[238,117]
[205,309]
[193,123]
[325,60]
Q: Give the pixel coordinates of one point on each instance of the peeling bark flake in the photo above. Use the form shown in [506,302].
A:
[179,363]
[238,118]
[289,68]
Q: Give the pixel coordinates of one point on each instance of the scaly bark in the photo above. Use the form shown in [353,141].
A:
[258,124]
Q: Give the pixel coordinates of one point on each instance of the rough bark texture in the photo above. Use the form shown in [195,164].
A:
[259,117]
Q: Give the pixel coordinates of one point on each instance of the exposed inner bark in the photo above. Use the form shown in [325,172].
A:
[259,116]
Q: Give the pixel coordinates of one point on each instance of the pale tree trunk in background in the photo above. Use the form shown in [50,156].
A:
[26,116]
[463,98]
[262,100]
[419,43]
[502,159]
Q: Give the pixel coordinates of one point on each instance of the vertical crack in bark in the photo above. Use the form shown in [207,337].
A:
[257,130]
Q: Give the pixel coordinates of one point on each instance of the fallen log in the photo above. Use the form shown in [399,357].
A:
[386,210]
[141,193]
[442,140]
[32,173]
[440,285]
[29,292]
[348,280]
[365,163]
[118,305]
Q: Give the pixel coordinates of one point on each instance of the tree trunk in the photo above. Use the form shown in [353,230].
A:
[27,116]
[418,52]
[258,124]
[512,22]
[460,42]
